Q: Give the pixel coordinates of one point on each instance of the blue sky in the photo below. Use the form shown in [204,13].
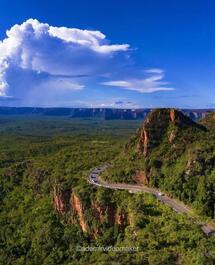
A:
[107,53]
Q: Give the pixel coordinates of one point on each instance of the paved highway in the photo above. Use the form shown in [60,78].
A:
[179,207]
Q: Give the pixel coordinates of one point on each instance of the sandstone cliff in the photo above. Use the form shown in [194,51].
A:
[68,203]
[159,124]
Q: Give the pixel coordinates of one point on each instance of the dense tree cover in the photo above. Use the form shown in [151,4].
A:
[37,154]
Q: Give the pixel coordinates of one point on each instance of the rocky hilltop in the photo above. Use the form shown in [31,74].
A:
[160,123]
[174,153]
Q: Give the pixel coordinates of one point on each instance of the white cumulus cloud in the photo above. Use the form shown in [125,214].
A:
[87,38]
[35,54]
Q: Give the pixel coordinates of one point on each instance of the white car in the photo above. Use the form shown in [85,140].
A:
[161,194]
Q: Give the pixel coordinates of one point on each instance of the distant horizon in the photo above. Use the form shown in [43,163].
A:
[143,108]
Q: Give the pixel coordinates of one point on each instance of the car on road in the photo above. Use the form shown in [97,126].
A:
[99,169]
[161,194]
[211,233]
[175,210]
[94,174]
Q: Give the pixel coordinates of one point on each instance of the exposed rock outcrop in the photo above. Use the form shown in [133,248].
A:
[78,209]
[156,126]
[68,203]
[121,219]
[99,211]
[140,177]
[61,200]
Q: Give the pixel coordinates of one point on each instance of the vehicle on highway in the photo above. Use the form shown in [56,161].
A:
[93,176]
[96,171]
[161,194]
[133,191]
[175,210]
[211,233]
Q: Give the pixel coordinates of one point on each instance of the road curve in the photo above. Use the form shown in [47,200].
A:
[179,207]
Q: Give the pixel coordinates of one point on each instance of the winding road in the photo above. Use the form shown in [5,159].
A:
[177,206]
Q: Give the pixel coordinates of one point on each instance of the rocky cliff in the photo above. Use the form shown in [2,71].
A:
[162,123]
[61,199]
[76,206]
[70,205]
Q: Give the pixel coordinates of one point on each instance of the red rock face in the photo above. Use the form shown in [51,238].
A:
[61,199]
[141,178]
[104,213]
[172,115]
[145,142]
[95,233]
[99,212]
[121,219]
[77,208]
[157,124]
[153,129]
[67,202]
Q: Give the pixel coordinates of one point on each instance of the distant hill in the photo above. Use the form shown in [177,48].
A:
[95,113]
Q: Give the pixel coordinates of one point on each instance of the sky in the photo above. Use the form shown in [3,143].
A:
[118,54]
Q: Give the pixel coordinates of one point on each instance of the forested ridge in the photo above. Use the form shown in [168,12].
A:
[47,208]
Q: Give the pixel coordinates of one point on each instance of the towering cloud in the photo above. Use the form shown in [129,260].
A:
[42,54]
[44,65]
